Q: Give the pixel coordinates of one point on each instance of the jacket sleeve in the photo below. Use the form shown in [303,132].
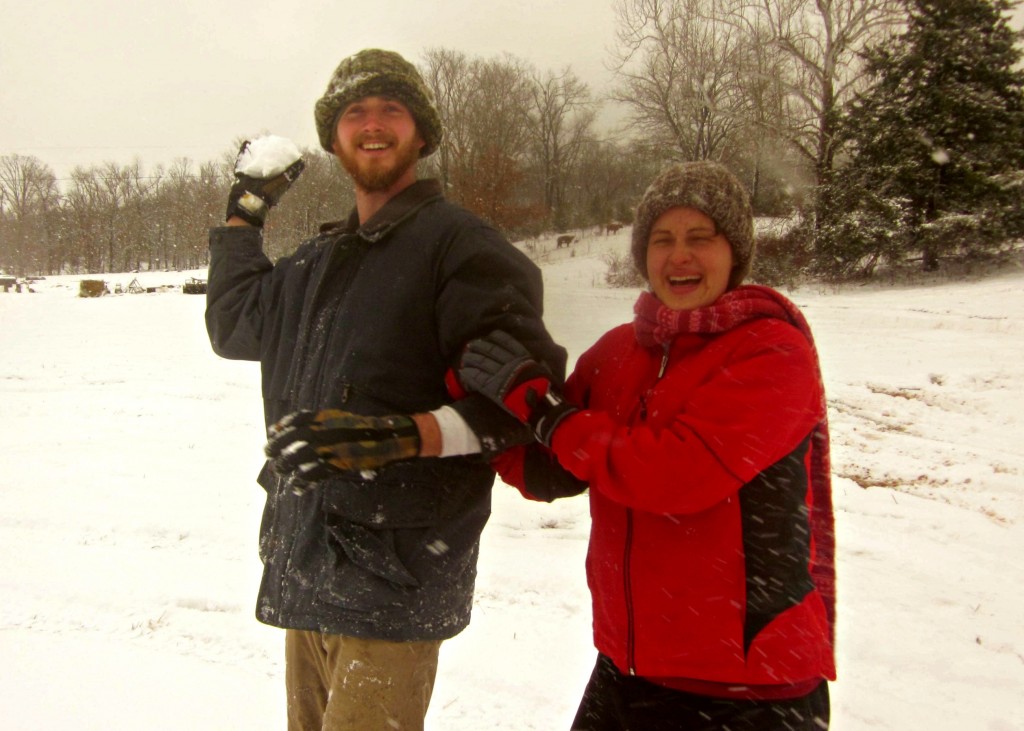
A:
[750,414]
[535,472]
[487,284]
[238,291]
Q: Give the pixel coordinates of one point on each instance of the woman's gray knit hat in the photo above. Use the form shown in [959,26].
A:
[711,189]
[373,72]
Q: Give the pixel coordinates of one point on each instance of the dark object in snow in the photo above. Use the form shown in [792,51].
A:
[564,240]
[136,288]
[92,288]
[194,286]
[7,282]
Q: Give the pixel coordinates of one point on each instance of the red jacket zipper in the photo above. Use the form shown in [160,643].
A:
[630,632]
[626,573]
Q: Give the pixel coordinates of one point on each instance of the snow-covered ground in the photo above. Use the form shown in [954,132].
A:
[129,513]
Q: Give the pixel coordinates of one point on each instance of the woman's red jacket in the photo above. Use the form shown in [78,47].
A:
[698,463]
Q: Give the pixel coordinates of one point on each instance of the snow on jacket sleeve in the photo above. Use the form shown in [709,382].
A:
[487,284]
[750,408]
[238,287]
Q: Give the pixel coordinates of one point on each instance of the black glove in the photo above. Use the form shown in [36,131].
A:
[308,446]
[499,367]
[251,198]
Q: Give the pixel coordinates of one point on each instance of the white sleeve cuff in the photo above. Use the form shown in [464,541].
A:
[456,436]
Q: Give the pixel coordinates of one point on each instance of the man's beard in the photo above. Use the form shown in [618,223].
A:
[376,176]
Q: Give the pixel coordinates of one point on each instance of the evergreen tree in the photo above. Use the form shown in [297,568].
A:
[937,141]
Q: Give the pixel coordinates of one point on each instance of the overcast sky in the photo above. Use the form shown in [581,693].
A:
[96,81]
[88,82]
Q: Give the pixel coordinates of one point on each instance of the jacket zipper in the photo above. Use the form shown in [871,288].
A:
[627,572]
[292,528]
[306,328]
[627,579]
[338,245]
[340,251]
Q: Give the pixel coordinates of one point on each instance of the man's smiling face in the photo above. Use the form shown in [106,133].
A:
[377,142]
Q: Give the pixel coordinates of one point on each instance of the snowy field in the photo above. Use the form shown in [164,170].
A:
[129,515]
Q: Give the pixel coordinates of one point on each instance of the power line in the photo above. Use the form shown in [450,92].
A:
[111,147]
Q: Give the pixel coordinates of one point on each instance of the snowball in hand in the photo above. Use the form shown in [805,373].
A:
[265,157]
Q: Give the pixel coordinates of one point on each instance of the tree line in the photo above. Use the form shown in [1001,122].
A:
[889,130]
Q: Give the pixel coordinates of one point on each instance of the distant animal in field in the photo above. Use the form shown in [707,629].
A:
[612,226]
[564,240]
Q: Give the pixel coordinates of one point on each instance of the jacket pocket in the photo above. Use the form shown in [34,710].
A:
[373,550]
[365,570]
[391,536]
[373,528]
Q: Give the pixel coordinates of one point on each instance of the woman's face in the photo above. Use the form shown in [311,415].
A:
[688,260]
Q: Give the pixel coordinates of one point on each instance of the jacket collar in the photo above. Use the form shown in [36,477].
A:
[396,210]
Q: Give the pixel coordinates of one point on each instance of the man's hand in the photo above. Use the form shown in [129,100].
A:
[308,446]
[502,369]
[264,170]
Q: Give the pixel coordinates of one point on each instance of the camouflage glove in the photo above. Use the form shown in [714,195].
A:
[502,369]
[308,446]
[252,197]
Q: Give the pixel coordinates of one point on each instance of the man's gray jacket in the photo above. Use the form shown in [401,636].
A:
[370,319]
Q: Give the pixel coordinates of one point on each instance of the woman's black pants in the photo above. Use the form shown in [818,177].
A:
[616,702]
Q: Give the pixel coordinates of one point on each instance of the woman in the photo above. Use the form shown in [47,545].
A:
[700,429]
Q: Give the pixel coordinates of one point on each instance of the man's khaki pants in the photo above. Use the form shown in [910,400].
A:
[339,683]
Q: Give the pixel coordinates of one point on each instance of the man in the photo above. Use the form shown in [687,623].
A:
[370,555]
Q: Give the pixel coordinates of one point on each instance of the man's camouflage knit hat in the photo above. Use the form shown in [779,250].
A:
[373,72]
[711,189]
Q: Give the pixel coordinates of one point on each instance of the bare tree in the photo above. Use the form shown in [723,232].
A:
[85,204]
[490,176]
[28,196]
[447,73]
[322,193]
[823,41]
[609,179]
[188,202]
[137,221]
[681,72]
[484,106]
[562,115]
[116,184]
[765,157]
[175,225]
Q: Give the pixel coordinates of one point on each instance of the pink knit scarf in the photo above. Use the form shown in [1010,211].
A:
[655,324]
